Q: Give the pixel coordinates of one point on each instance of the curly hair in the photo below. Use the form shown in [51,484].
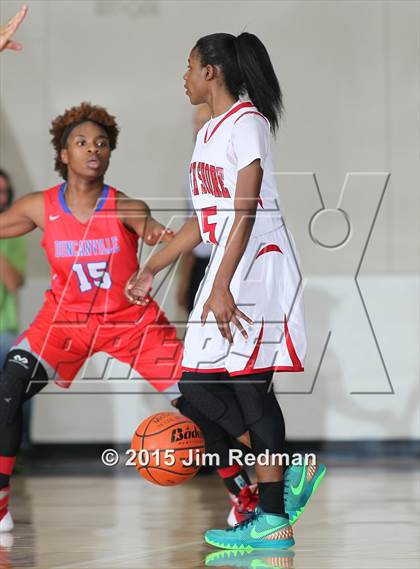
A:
[62,126]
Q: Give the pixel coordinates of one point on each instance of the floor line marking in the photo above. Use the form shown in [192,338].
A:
[127,556]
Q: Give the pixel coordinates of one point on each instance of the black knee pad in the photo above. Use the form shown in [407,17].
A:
[215,399]
[266,435]
[268,432]
[212,432]
[196,388]
[262,414]
[216,439]
[251,400]
[20,368]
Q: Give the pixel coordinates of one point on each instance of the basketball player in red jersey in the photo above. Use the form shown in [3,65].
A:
[90,236]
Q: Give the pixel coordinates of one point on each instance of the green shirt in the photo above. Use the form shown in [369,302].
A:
[15,252]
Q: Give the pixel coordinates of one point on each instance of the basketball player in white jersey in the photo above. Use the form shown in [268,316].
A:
[247,321]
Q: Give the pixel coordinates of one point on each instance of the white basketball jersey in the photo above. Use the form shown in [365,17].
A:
[266,284]
[225,145]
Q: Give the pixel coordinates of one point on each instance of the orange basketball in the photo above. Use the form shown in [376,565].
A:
[168,447]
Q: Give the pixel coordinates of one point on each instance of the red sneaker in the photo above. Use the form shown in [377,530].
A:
[6,522]
[243,505]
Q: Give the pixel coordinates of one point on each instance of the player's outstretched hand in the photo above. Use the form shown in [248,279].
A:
[222,304]
[7,31]
[155,232]
[138,287]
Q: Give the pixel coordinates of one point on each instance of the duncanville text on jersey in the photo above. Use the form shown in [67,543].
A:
[87,247]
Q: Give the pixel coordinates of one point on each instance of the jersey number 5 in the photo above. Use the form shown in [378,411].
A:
[97,272]
[209,228]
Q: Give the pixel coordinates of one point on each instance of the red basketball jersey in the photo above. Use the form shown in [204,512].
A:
[90,262]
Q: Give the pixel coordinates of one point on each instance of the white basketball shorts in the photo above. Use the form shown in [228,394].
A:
[267,287]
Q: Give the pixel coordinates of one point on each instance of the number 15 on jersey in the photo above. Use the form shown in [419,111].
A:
[208,226]
[92,274]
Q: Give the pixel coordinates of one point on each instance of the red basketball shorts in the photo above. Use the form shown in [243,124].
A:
[141,337]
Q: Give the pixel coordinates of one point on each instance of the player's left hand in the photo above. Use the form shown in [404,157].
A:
[138,287]
[155,232]
[222,304]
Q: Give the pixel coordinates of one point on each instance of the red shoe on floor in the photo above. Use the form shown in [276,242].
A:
[243,505]
[6,522]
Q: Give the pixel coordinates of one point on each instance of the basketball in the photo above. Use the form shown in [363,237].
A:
[168,448]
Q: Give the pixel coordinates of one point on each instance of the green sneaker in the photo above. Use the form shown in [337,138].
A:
[252,560]
[260,531]
[300,482]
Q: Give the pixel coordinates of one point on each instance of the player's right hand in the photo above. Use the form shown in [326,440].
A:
[7,31]
[138,287]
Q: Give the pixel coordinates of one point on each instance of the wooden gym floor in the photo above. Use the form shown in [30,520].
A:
[364,515]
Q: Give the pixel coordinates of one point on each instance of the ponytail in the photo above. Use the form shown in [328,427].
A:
[246,68]
[259,78]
